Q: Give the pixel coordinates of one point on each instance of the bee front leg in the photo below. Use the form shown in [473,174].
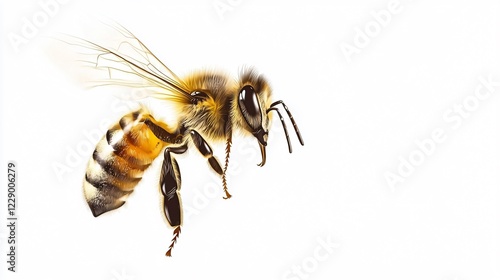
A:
[170,184]
[206,151]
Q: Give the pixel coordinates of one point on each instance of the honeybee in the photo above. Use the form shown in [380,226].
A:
[210,105]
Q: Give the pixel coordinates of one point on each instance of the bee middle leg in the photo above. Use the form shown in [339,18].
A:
[206,151]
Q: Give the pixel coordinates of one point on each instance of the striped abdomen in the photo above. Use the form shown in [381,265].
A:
[119,161]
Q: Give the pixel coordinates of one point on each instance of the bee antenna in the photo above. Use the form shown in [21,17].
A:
[295,126]
[284,127]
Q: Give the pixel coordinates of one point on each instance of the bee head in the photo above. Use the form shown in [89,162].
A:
[253,99]
[254,105]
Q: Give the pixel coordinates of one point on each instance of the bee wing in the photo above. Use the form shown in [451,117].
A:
[132,64]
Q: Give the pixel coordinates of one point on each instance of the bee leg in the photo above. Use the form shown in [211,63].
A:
[162,134]
[170,178]
[170,184]
[206,151]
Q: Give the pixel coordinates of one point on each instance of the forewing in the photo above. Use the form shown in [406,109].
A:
[131,64]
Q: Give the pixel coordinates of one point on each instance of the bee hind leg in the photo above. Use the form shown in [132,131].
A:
[170,178]
[170,184]
[162,134]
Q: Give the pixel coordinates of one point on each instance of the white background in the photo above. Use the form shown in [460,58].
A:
[360,115]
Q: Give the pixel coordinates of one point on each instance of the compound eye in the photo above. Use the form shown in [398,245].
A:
[250,107]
